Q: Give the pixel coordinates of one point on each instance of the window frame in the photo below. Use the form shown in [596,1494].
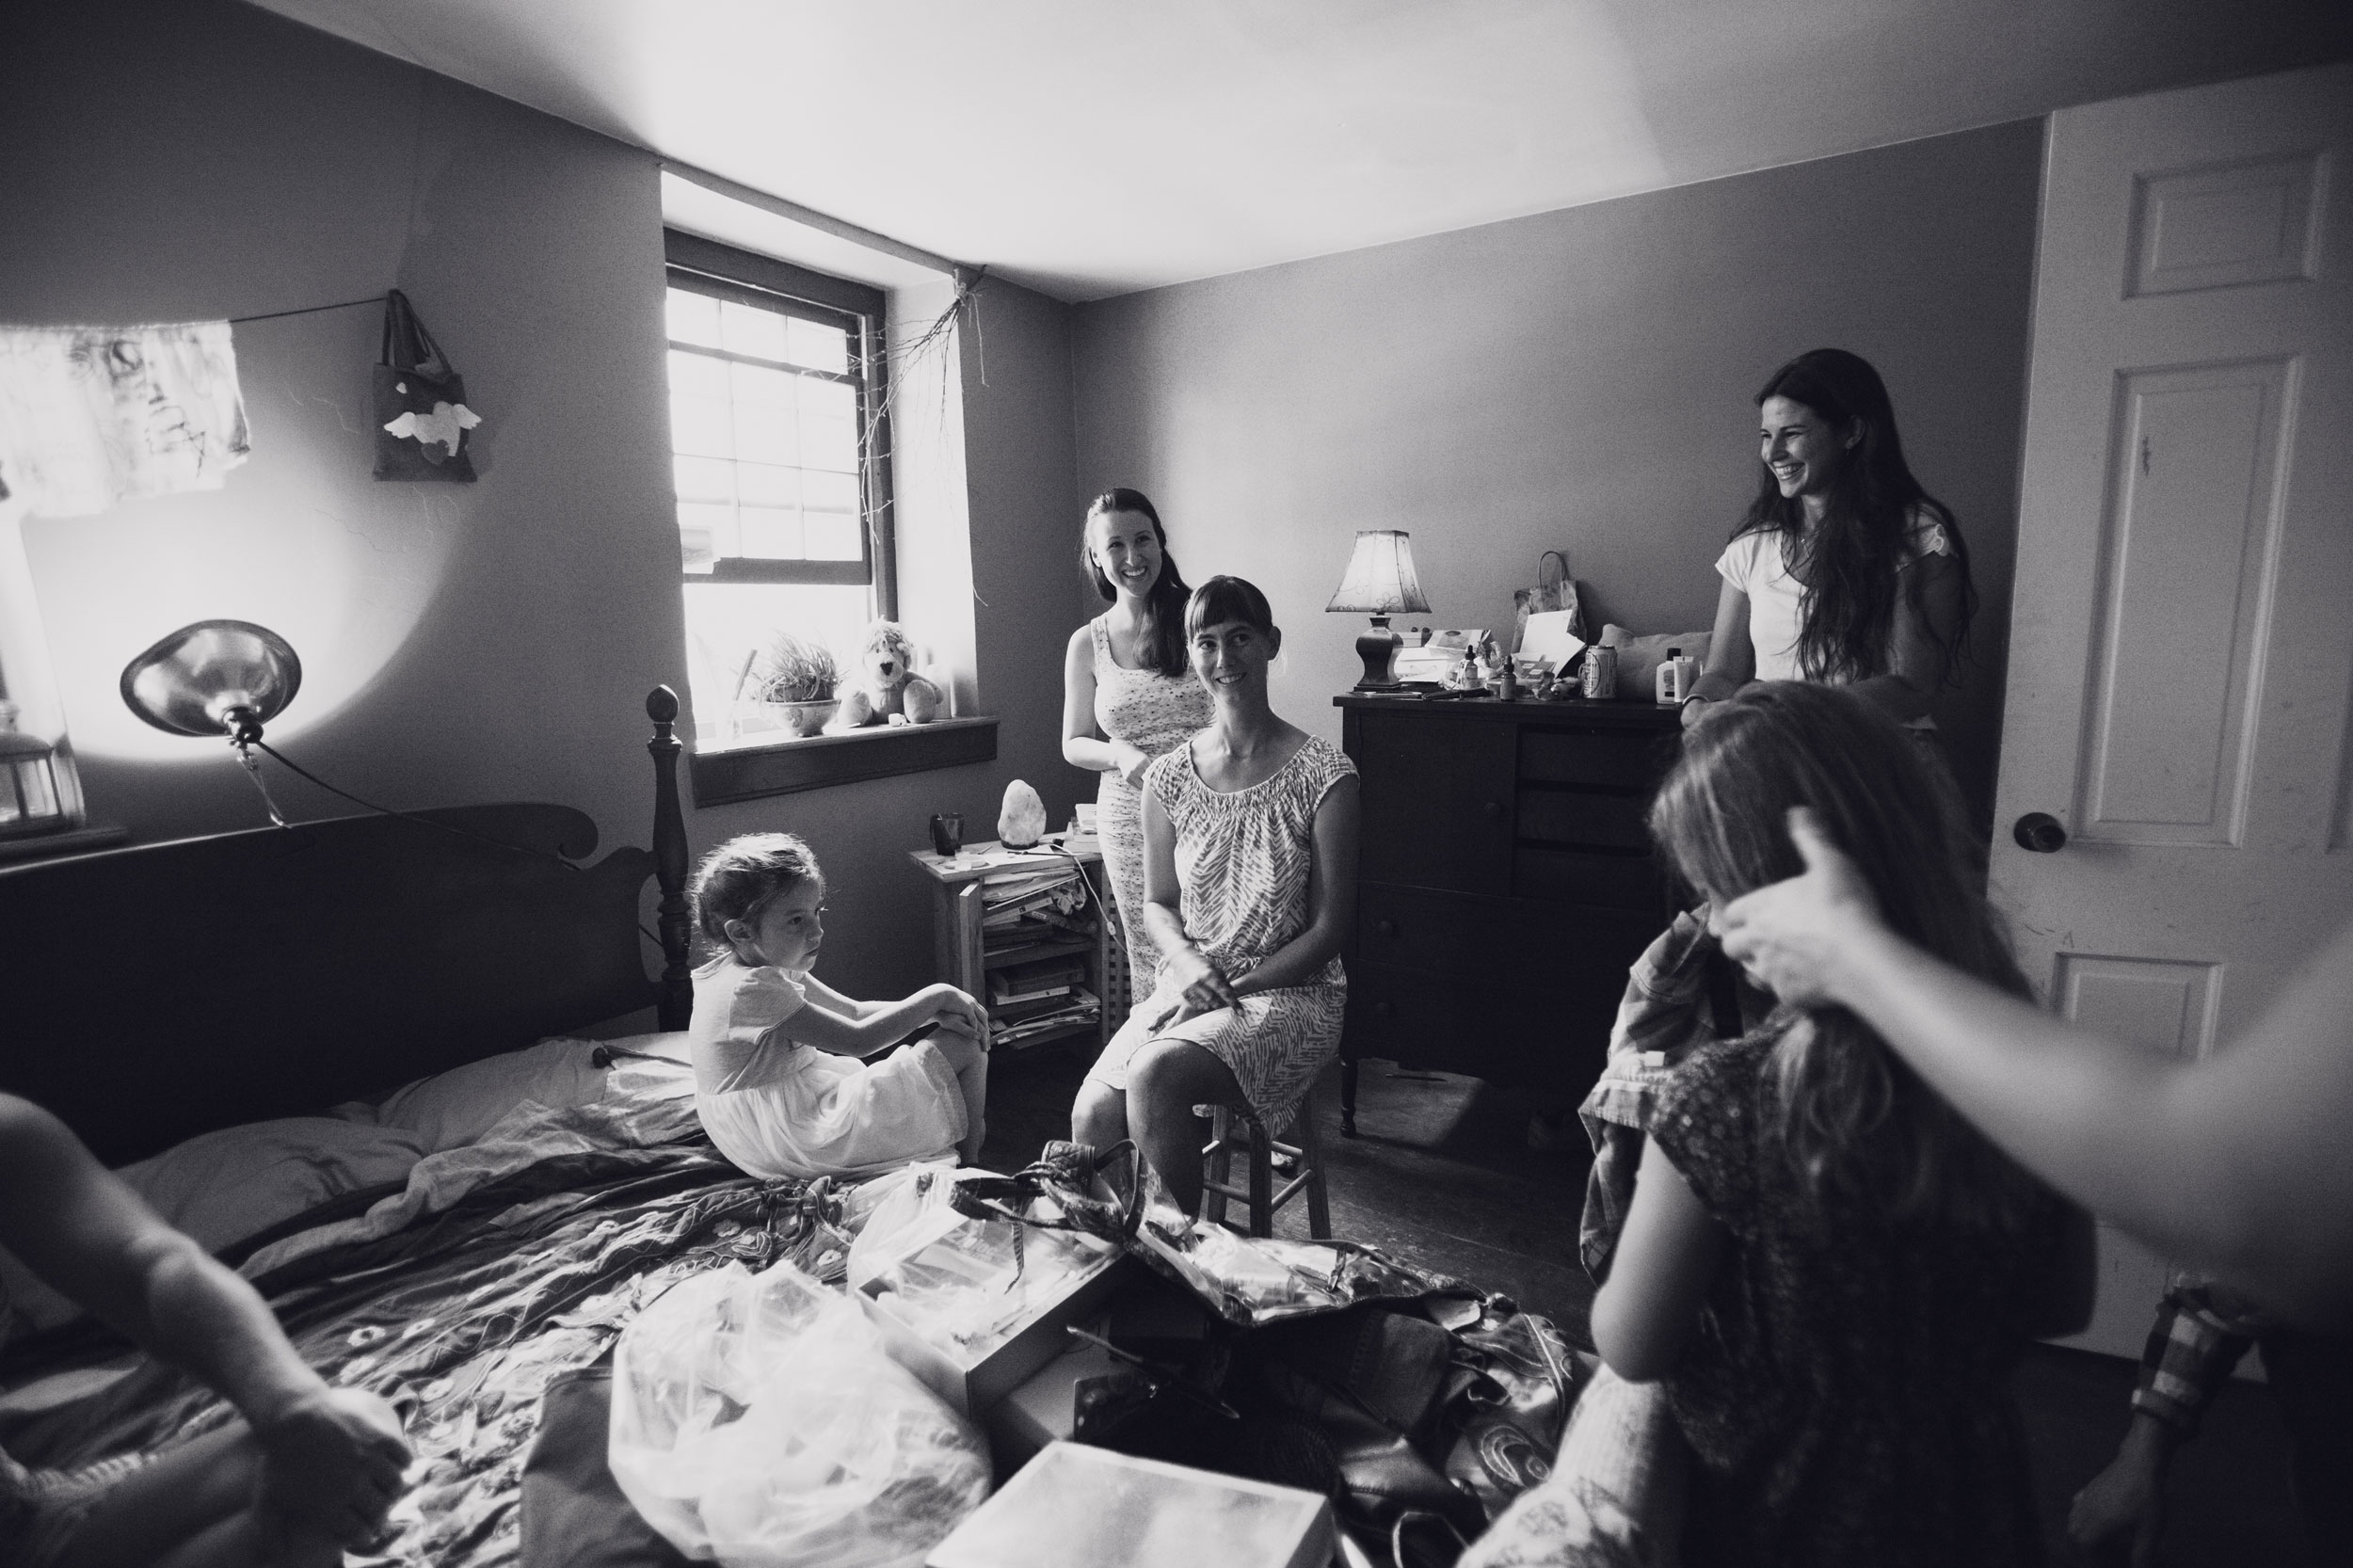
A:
[817,762]
[723,272]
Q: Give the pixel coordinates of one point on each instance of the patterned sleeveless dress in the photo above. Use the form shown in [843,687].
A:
[1152,712]
[1243,861]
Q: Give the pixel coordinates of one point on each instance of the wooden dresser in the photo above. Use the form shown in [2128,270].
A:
[1505,883]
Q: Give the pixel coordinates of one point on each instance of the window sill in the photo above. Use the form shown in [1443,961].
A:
[816,761]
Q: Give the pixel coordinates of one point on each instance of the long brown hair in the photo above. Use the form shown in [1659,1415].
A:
[1852,1117]
[1848,567]
[1164,607]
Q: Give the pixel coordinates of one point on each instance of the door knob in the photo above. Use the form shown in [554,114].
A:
[1490,808]
[2040,832]
[1385,1010]
[1387,928]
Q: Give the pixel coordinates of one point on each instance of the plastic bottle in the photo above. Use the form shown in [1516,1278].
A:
[1674,676]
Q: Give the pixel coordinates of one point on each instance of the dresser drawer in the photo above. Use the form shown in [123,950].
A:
[1558,816]
[1503,942]
[1614,762]
[1552,1038]
[1436,805]
[1629,882]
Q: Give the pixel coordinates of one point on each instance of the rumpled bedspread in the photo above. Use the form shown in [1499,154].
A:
[463,1317]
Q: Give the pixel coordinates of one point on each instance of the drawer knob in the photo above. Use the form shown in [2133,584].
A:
[1387,928]
[1385,1010]
[1490,808]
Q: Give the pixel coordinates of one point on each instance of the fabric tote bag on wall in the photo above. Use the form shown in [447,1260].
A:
[420,413]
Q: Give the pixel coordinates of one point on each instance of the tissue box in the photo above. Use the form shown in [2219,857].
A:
[1077,1507]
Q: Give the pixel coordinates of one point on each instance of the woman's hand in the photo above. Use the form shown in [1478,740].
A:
[332,1462]
[1204,987]
[1129,761]
[1791,934]
[1694,708]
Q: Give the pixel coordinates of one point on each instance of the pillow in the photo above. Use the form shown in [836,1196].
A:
[224,1186]
[452,1109]
[1639,657]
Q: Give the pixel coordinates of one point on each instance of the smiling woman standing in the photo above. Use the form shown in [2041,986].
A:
[1844,571]
[1129,693]
[1249,867]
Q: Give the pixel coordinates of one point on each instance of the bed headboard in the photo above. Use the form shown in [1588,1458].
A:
[165,990]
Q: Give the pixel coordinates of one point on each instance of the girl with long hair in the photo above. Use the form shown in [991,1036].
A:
[1845,570]
[1829,1268]
[1129,693]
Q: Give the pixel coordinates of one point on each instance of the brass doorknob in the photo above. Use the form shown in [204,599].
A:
[2040,832]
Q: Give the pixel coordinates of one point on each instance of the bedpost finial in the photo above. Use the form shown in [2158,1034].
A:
[662,705]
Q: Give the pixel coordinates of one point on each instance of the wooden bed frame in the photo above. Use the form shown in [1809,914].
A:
[168,989]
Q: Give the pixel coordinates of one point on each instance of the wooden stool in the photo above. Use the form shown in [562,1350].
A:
[1233,1131]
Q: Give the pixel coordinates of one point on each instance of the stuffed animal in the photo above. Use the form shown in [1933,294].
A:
[888,690]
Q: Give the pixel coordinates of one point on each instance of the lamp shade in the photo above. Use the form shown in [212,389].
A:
[214,678]
[1380,579]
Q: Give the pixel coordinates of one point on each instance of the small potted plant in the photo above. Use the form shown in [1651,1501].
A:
[795,675]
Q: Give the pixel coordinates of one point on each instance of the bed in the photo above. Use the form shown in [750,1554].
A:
[355,1074]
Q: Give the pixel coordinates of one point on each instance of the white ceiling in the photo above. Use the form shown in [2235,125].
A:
[1089,147]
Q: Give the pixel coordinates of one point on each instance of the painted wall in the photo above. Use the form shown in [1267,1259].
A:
[206,159]
[1581,380]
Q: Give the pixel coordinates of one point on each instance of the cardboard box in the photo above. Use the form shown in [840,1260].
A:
[1077,1507]
[972,1382]
[1043,1409]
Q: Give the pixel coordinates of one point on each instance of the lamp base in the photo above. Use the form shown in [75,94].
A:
[1377,646]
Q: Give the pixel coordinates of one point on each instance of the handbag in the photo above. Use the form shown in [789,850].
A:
[420,413]
[1554,590]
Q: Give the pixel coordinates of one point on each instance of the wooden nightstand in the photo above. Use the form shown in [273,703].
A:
[978,950]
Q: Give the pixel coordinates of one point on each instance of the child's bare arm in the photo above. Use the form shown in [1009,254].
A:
[886,1023]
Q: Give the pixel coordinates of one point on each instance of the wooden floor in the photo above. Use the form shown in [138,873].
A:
[1443,1174]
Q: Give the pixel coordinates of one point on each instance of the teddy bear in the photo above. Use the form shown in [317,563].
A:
[889,690]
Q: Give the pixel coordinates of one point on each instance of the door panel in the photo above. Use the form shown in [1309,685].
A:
[2181,662]
[2187,579]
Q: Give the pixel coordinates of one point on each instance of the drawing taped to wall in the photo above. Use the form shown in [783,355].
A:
[93,415]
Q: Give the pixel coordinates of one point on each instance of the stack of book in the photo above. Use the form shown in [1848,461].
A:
[1034,905]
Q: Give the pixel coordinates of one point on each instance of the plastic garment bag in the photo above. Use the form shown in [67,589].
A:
[758,1420]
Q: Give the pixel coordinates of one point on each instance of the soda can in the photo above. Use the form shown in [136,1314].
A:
[1601,673]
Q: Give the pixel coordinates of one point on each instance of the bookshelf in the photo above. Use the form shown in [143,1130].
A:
[1023,931]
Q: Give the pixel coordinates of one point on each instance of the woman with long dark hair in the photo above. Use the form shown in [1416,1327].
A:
[1830,1269]
[1129,693]
[1845,570]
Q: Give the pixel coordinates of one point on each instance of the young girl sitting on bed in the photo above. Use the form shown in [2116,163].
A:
[779,1079]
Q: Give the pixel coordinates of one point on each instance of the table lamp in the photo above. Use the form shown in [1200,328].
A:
[223,677]
[1380,583]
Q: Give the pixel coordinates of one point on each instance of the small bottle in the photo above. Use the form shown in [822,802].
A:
[1674,677]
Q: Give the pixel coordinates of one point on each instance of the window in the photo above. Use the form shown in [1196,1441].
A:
[782,464]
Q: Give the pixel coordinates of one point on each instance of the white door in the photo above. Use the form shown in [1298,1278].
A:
[2181,661]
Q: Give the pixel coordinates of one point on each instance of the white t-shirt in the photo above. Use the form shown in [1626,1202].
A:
[1756,563]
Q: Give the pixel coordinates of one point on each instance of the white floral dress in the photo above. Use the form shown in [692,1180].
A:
[1243,858]
[1153,713]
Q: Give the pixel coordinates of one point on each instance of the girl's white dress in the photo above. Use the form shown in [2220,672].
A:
[780,1108]
[1242,863]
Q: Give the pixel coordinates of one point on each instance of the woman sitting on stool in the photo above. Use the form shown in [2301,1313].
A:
[1250,881]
